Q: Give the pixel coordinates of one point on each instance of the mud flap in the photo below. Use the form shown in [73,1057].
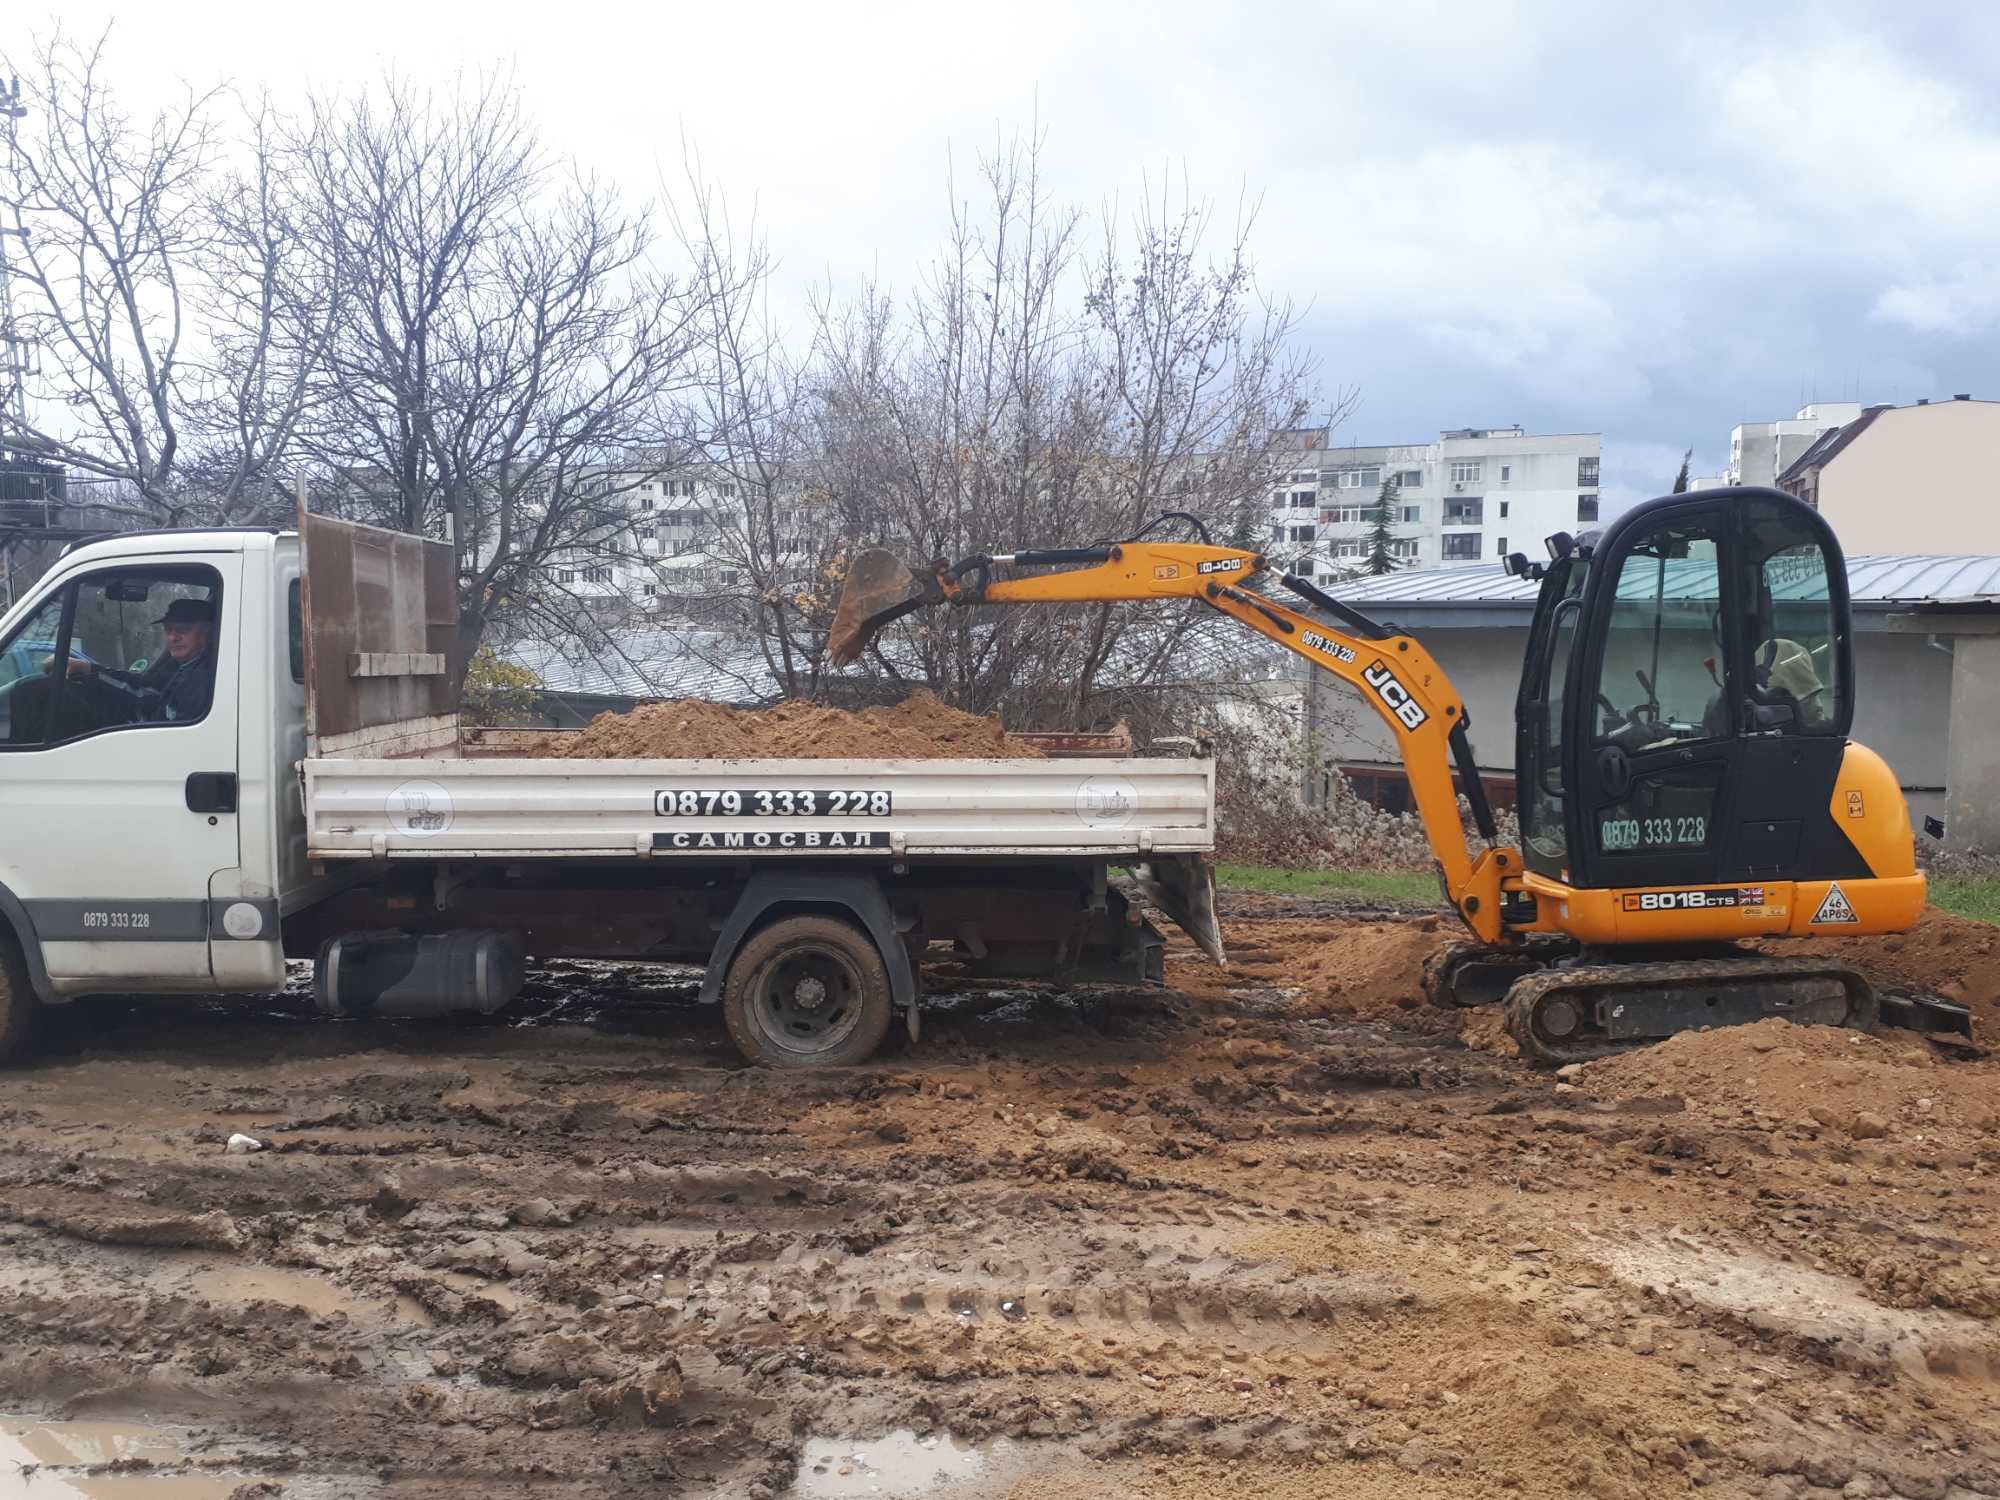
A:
[1183,887]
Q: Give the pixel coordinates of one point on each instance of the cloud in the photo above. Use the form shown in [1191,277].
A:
[1964,304]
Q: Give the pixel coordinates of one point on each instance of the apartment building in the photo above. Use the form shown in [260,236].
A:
[1760,451]
[1907,479]
[1469,498]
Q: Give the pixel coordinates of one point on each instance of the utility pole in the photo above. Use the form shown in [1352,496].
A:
[13,364]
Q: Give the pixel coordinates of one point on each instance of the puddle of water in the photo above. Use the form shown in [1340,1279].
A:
[468,1285]
[897,1465]
[60,1455]
[247,1283]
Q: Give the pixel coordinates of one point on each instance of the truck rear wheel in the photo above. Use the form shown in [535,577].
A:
[18,1005]
[807,991]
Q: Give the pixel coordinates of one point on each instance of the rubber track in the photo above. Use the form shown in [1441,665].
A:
[1636,979]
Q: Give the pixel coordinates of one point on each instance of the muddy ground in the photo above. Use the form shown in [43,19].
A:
[1283,1232]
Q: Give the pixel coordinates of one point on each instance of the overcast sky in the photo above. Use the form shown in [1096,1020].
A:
[1652,222]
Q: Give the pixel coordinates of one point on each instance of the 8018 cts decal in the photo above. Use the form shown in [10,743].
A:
[1729,896]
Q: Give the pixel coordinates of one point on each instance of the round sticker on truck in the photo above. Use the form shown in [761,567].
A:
[1106,801]
[422,809]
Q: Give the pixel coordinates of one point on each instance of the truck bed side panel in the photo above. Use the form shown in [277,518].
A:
[665,809]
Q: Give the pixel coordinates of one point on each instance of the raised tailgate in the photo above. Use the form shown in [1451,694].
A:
[381,621]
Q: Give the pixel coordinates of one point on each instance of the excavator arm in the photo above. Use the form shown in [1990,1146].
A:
[1393,673]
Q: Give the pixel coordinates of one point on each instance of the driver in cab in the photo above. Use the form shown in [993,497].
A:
[179,686]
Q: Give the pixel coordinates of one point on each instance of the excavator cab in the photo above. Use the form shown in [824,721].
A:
[1685,702]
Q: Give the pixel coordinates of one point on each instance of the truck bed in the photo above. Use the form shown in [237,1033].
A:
[693,809]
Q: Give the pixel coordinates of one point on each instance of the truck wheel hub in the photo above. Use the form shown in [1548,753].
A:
[809,993]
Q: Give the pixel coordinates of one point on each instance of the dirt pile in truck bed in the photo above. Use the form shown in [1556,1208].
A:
[918,728]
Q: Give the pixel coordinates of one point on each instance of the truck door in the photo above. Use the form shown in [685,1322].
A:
[118,768]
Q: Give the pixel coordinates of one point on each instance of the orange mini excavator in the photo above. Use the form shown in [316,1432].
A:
[1684,773]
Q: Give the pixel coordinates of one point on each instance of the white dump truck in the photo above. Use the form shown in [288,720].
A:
[223,749]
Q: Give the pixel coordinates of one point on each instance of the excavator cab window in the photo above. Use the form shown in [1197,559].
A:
[1539,788]
[1795,683]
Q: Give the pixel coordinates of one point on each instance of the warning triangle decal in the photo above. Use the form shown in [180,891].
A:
[1836,907]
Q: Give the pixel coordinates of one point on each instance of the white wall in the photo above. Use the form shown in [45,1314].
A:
[1919,479]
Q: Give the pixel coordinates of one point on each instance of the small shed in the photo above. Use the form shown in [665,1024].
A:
[1927,679]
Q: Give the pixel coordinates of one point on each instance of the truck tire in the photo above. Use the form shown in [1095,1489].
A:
[19,1008]
[807,991]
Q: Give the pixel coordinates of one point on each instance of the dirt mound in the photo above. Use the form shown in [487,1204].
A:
[1341,967]
[1889,1086]
[918,728]
[1953,956]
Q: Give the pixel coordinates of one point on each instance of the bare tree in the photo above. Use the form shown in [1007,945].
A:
[505,340]
[745,427]
[1033,394]
[156,293]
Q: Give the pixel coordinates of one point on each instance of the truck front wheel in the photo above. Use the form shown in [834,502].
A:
[807,991]
[18,1005]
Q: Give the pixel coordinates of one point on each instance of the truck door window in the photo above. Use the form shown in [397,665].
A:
[117,648]
[26,681]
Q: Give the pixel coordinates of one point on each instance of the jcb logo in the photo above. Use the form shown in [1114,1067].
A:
[1406,709]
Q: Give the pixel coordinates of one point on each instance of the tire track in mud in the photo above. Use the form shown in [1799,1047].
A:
[1160,1239]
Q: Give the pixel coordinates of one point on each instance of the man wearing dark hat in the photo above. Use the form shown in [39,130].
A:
[179,686]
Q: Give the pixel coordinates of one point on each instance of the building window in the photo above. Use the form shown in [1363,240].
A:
[646,501]
[1409,479]
[1300,499]
[1506,472]
[1503,510]
[1302,533]
[1403,547]
[1586,471]
[1353,548]
[1412,514]
[1586,507]
[1303,568]
[1464,512]
[1305,476]
[597,575]
[565,575]
[1462,547]
[651,590]
[1465,473]
[1345,514]
[1501,550]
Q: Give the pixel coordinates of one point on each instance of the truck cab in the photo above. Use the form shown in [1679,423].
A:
[150,837]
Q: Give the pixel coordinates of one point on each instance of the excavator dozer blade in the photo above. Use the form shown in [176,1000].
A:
[879,589]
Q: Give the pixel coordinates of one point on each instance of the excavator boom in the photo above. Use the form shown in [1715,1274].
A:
[1395,676]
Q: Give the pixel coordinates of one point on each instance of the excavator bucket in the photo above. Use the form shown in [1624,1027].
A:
[879,589]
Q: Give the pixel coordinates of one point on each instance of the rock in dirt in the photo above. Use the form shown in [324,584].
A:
[918,728]
[242,1145]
